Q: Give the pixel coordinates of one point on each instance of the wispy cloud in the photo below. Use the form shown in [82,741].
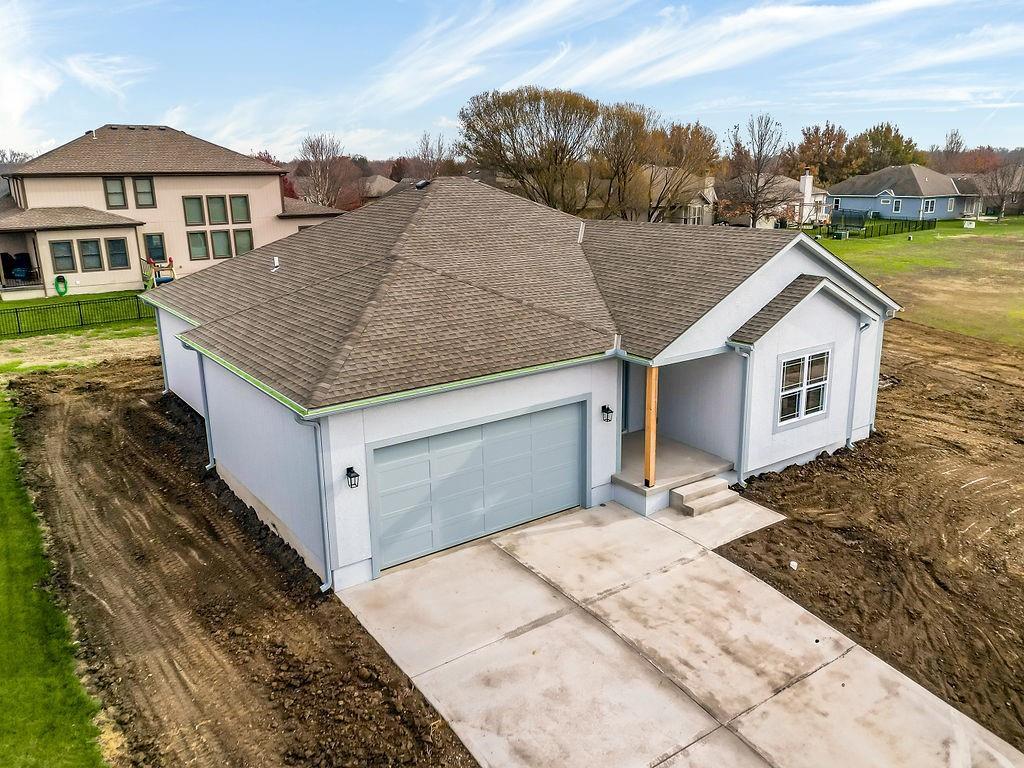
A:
[986,42]
[538,74]
[449,53]
[676,48]
[26,80]
[110,74]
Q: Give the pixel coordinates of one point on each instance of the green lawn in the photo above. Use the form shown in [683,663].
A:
[968,281]
[61,313]
[47,716]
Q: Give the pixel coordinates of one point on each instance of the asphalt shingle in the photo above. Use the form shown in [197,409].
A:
[781,305]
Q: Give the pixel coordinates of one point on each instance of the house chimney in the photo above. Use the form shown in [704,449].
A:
[806,186]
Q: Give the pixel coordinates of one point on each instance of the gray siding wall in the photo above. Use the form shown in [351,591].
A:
[699,403]
[267,458]
[181,365]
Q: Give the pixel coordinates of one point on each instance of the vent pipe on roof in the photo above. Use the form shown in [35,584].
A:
[277,264]
[422,184]
[583,227]
[94,133]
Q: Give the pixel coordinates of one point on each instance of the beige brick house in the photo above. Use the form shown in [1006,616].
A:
[96,209]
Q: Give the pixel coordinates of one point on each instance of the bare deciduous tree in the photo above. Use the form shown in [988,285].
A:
[541,139]
[1002,182]
[321,153]
[622,151]
[682,156]
[13,156]
[755,187]
[433,156]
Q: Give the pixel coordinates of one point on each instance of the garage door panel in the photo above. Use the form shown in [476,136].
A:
[443,490]
[507,447]
[407,497]
[459,483]
[456,461]
[405,521]
[511,469]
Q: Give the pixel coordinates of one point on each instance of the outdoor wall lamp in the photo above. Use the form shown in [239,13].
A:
[606,413]
[352,477]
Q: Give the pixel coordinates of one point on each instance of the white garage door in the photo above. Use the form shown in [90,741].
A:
[442,490]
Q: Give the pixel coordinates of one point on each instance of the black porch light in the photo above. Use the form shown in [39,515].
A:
[352,477]
[606,413]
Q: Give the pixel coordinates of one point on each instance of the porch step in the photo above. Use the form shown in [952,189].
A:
[685,493]
[708,503]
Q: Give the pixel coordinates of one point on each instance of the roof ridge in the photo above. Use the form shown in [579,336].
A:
[331,368]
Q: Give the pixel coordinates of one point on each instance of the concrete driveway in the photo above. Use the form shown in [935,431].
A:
[602,638]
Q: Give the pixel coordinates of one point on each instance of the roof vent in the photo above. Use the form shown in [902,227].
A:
[277,264]
[422,184]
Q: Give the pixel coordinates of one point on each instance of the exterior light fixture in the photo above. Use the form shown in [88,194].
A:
[352,477]
[606,413]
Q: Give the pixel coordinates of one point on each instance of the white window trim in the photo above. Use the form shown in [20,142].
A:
[836,202]
[803,419]
[950,205]
[925,205]
[885,201]
[897,205]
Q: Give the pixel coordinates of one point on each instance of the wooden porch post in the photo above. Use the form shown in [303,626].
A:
[650,425]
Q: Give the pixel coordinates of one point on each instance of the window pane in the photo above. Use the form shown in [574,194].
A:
[63,256]
[218,209]
[117,253]
[144,192]
[792,373]
[243,241]
[115,193]
[194,211]
[155,248]
[197,247]
[815,399]
[239,209]
[221,241]
[817,368]
[789,407]
[89,252]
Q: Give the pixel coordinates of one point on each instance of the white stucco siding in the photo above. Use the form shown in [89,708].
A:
[699,403]
[714,328]
[349,435]
[181,366]
[267,459]
[820,322]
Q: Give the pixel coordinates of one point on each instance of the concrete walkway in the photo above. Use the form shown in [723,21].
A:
[602,638]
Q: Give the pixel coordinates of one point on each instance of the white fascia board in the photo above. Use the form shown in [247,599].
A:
[847,271]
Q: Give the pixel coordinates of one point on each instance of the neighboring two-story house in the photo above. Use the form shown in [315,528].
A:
[96,209]
[904,192]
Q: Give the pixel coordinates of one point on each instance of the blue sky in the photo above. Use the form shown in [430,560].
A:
[261,74]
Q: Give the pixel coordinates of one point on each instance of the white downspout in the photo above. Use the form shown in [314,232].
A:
[206,409]
[853,385]
[321,485]
[747,353]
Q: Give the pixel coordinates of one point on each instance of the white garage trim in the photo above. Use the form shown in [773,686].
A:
[372,489]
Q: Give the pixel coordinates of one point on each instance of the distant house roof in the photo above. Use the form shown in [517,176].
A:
[295,208]
[376,185]
[900,181]
[142,149]
[449,282]
[13,219]
[776,309]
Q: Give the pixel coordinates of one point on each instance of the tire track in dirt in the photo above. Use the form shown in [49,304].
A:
[203,633]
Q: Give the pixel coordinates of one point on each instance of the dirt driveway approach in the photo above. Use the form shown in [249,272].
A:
[203,636]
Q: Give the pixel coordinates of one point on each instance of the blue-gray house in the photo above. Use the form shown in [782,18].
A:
[904,192]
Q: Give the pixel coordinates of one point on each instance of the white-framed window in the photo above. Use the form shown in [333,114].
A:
[929,206]
[885,201]
[836,203]
[803,386]
[949,205]
[897,205]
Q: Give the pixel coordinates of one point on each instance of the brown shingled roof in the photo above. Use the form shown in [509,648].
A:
[660,279]
[142,149]
[294,208]
[911,180]
[73,217]
[781,305]
[451,282]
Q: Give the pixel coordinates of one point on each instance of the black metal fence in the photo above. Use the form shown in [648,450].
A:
[61,315]
[855,224]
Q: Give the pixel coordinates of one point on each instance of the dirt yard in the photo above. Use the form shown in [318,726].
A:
[205,637]
[913,544]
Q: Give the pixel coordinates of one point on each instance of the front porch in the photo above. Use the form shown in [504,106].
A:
[677,464]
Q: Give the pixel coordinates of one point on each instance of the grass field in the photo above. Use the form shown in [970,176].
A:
[11,303]
[59,313]
[968,281]
[47,716]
